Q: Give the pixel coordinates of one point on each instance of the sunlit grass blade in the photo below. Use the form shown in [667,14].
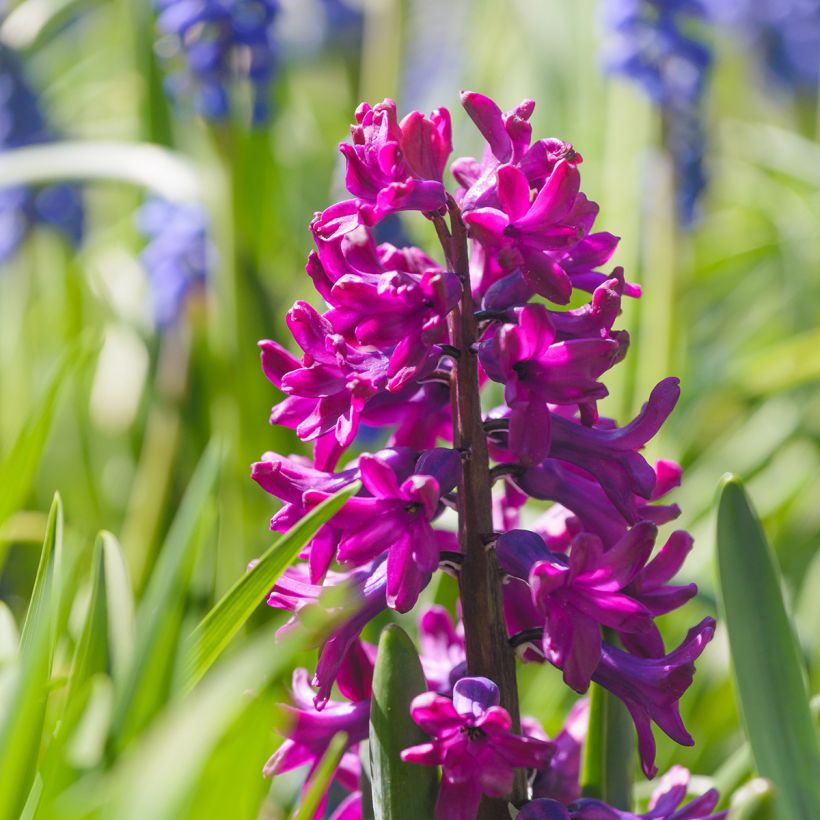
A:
[107,639]
[767,665]
[148,682]
[320,781]
[160,772]
[24,712]
[42,605]
[401,791]
[214,633]
[19,467]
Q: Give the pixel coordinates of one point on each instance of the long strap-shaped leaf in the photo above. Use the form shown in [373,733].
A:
[144,687]
[21,722]
[767,667]
[401,791]
[214,633]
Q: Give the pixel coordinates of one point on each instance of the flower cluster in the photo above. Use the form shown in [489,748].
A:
[406,342]
[784,33]
[22,123]
[648,41]
[178,256]
[220,43]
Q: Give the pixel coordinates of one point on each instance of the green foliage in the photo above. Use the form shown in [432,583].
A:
[25,706]
[211,637]
[768,670]
[401,791]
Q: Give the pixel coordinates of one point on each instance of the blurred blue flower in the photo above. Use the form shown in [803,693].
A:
[785,33]
[22,123]
[222,43]
[648,41]
[179,254]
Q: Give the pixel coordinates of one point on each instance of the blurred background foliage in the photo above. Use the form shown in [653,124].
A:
[114,410]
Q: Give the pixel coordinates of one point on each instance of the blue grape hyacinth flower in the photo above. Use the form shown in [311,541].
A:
[179,254]
[221,44]
[22,123]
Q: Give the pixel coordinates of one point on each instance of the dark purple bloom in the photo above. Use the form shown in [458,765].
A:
[650,688]
[220,43]
[22,122]
[178,257]
[649,43]
[473,743]
[580,595]
[396,517]
[665,804]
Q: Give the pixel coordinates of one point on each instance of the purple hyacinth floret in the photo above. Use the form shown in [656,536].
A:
[178,257]
[473,742]
[221,44]
[22,122]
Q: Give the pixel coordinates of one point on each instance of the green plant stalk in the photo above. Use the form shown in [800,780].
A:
[322,776]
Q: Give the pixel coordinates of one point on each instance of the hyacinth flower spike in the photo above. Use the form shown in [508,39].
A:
[402,348]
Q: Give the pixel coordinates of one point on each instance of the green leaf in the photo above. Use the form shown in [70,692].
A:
[214,633]
[159,774]
[606,768]
[320,781]
[401,791]
[165,172]
[24,717]
[148,682]
[107,639]
[19,467]
[767,665]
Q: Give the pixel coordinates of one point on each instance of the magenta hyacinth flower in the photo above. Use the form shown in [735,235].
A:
[473,744]
[395,518]
[310,731]
[395,166]
[651,688]
[581,595]
[392,354]
[666,804]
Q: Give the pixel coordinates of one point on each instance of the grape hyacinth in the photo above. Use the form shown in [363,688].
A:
[221,44]
[407,343]
[648,41]
[22,122]
[785,34]
[178,256]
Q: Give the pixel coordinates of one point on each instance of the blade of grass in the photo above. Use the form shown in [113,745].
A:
[147,684]
[319,783]
[767,666]
[24,718]
[157,776]
[18,468]
[216,630]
